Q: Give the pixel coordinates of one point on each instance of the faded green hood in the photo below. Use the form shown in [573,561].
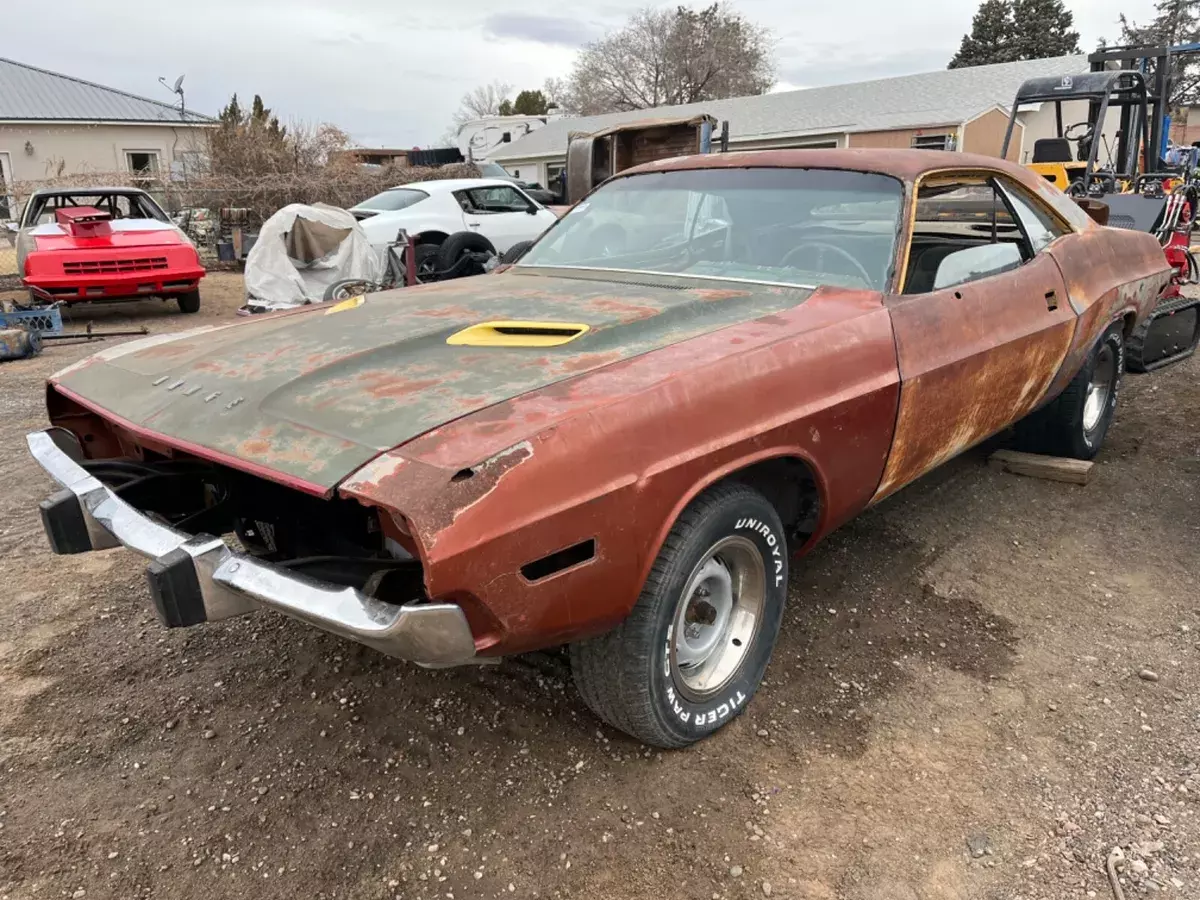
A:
[313,395]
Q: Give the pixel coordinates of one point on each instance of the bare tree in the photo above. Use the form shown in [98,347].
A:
[668,57]
[484,100]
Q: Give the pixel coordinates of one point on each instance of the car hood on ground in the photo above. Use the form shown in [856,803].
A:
[311,395]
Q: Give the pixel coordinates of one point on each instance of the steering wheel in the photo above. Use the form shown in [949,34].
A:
[821,247]
[1089,132]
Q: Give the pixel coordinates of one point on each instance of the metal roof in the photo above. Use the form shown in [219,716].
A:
[947,97]
[28,93]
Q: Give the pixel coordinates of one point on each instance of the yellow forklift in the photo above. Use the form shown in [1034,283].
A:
[1129,187]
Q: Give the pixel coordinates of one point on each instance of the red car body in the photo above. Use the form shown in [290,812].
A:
[86,255]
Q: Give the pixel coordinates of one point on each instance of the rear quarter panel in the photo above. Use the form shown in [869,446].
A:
[617,454]
[1111,274]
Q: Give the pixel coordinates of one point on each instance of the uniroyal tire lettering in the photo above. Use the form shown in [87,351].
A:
[773,543]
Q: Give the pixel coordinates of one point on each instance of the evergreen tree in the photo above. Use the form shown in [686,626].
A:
[1008,30]
[231,115]
[991,38]
[1043,29]
[530,103]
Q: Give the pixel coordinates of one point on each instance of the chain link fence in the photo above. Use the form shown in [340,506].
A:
[212,208]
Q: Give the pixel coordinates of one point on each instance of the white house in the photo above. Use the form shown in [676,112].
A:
[963,109]
[53,124]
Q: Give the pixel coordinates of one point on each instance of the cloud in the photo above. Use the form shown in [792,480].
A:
[391,77]
[552,30]
[820,65]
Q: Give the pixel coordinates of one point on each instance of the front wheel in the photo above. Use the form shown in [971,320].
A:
[693,651]
[189,302]
[1076,422]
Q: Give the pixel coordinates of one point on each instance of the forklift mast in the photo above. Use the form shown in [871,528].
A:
[1154,64]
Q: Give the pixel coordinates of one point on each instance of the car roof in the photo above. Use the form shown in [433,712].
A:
[907,165]
[67,192]
[445,185]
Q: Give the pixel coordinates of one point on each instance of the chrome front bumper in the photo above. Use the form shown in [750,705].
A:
[198,578]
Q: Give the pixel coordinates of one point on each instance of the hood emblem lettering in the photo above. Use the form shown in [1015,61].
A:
[213,396]
[193,389]
[175,384]
[232,403]
[157,381]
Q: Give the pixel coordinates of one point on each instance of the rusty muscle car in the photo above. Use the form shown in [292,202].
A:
[621,443]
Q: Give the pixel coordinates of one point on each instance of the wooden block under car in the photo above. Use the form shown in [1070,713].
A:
[1052,468]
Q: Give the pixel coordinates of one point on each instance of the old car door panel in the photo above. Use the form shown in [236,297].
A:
[973,358]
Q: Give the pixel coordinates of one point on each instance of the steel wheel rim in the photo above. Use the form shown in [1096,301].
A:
[719,615]
[1099,388]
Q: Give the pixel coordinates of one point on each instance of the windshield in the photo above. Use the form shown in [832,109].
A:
[786,226]
[394,199]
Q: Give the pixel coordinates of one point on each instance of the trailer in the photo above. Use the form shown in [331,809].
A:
[595,156]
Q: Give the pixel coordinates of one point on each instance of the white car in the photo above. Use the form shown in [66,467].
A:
[433,210]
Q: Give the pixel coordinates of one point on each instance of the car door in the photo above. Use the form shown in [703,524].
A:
[504,215]
[981,321]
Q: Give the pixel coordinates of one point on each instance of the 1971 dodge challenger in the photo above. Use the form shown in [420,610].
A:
[620,443]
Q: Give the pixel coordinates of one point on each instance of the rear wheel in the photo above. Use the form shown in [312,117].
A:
[1076,422]
[425,259]
[693,650]
[189,302]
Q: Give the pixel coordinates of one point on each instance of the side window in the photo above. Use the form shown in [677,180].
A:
[963,231]
[1040,227]
[497,200]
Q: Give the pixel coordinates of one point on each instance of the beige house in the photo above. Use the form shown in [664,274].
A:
[52,124]
[953,109]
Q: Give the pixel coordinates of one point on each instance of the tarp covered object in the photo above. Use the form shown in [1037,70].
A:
[301,250]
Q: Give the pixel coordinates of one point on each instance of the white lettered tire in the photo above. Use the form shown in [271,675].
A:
[693,651]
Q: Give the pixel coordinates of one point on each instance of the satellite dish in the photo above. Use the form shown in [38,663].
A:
[178,84]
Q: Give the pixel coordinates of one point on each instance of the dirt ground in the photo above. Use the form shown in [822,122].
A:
[982,687]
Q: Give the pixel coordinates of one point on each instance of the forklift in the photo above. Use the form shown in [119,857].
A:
[1131,185]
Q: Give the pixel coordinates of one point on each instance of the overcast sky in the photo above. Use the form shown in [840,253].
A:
[391,72]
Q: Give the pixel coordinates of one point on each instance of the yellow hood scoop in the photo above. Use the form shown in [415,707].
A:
[518,334]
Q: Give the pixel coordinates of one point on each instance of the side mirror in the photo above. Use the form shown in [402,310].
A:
[12,227]
[532,210]
[976,262]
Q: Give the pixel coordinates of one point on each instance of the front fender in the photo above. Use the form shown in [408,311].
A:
[645,436]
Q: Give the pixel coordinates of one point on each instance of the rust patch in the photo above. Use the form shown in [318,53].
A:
[586,361]
[717,293]
[168,350]
[626,313]
[449,311]
[387,386]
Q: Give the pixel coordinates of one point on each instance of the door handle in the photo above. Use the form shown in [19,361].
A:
[472,224]
[1052,300]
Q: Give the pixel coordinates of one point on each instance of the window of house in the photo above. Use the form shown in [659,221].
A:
[933,142]
[1040,227]
[6,205]
[963,231]
[142,162]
